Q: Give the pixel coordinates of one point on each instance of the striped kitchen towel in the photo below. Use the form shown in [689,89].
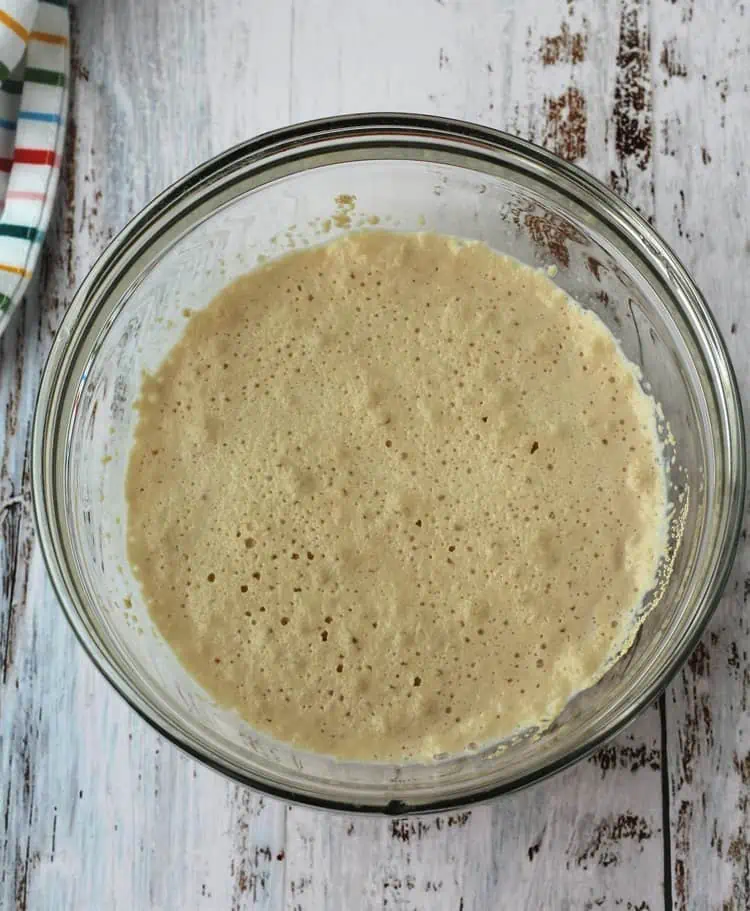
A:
[34,72]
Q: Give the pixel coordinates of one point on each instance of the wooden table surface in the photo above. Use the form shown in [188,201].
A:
[97,811]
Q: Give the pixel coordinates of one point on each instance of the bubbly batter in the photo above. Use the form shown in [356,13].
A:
[395,496]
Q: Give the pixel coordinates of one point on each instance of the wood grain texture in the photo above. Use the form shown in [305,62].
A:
[701,62]
[96,810]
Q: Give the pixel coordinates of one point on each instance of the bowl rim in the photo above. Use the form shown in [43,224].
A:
[414,131]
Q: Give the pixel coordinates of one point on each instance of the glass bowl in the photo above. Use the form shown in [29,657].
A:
[297,186]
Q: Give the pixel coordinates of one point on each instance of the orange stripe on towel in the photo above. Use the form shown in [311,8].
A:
[16,270]
[49,38]
[14,25]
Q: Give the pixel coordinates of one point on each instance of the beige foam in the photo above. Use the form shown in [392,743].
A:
[394,496]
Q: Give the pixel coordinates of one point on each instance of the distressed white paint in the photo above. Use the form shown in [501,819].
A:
[702,194]
[96,811]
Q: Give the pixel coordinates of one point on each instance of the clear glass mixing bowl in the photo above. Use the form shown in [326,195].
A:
[413,173]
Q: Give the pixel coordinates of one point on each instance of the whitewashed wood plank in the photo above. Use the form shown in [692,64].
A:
[590,838]
[99,812]
[702,109]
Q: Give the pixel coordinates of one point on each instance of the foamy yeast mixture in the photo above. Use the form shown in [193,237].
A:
[395,496]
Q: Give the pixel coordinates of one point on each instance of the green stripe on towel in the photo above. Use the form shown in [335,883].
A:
[44,77]
[24,232]
[12,86]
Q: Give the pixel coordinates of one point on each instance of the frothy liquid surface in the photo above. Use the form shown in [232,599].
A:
[394,496]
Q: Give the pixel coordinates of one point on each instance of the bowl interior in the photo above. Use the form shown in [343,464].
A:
[224,232]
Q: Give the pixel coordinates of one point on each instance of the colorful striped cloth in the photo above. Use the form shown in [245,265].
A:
[34,64]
